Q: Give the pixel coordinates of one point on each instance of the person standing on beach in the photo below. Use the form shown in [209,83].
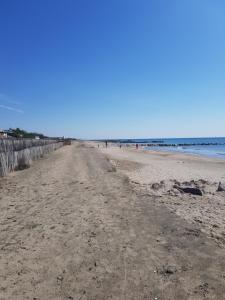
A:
[106,144]
[137,146]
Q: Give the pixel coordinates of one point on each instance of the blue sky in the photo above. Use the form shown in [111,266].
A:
[110,69]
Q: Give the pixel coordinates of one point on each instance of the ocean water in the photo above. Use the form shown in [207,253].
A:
[211,147]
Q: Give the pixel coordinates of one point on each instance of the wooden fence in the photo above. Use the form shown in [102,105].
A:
[18,154]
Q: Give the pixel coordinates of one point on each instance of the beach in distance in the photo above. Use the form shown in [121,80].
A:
[211,146]
[166,164]
[90,222]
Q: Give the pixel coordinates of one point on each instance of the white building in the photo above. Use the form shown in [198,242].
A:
[3,134]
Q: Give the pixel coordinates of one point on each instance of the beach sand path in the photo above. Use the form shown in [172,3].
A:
[72,227]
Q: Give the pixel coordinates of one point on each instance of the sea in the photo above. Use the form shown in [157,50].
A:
[211,147]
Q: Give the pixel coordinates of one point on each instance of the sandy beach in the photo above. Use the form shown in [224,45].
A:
[89,223]
[112,150]
[157,172]
[153,166]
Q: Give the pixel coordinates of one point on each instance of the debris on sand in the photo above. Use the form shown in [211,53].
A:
[196,188]
[202,289]
[157,186]
[168,270]
[221,187]
[190,190]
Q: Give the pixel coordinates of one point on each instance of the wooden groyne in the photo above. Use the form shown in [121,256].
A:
[18,154]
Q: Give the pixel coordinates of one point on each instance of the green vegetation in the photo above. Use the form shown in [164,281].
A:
[20,133]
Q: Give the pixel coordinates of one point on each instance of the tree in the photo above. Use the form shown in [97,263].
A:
[20,133]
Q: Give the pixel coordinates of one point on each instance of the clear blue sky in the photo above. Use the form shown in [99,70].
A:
[119,68]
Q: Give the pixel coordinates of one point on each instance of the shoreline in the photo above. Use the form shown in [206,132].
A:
[197,155]
[219,156]
[162,174]
[164,152]
[207,147]
[162,165]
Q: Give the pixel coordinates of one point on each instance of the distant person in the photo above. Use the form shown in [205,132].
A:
[137,146]
[106,144]
[120,146]
[98,145]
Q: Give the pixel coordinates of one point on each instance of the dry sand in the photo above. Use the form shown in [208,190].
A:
[153,166]
[74,227]
[157,172]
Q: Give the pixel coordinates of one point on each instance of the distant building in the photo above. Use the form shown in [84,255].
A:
[3,134]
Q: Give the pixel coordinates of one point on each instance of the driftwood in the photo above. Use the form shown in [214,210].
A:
[190,190]
[18,154]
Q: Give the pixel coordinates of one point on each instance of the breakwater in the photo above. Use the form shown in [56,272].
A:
[18,154]
[163,144]
[179,142]
[182,145]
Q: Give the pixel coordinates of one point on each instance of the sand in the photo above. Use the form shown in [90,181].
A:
[146,169]
[153,166]
[75,226]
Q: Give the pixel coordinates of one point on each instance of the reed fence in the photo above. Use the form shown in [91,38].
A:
[18,154]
